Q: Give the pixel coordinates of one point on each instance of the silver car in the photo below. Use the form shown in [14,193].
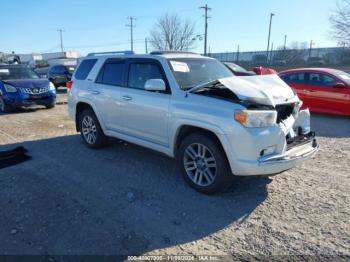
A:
[191,108]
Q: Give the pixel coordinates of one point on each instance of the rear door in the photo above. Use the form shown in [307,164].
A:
[145,113]
[106,91]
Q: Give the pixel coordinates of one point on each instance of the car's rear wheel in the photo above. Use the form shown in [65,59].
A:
[91,131]
[3,107]
[204,164]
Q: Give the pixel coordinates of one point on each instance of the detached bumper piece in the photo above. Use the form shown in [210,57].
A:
[13,157]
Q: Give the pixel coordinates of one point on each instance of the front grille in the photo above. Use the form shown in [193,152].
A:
[284,111]
[35,91]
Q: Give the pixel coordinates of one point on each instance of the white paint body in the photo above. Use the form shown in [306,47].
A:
[153,120]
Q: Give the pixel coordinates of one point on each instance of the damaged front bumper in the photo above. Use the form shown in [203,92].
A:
[298,150]
[268,151]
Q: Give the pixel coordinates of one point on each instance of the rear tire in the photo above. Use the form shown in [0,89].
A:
[91,131]
[204,164]
[3,107]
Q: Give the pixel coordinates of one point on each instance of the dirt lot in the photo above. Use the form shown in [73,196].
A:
[129,200]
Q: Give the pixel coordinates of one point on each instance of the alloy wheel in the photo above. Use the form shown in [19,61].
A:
[89,131]
[200,164]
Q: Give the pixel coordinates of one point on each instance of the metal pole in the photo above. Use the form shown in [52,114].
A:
[311,43]
[237,57]
[268,39]
[131,25]
[146,45]
[61,38]
[285,42]
[206,9]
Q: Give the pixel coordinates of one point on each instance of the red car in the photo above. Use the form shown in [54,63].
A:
[322,90]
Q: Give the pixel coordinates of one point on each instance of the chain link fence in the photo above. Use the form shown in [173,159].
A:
[337,57]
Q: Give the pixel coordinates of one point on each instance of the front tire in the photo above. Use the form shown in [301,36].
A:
[3,107]
[204,164]
[91,131]
[49,106]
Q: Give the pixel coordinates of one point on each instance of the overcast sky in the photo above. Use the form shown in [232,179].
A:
[100,25]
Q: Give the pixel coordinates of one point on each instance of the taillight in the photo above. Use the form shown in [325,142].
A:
[69,84]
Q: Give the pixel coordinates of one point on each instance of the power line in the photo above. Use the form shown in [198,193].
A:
[61,38]
[206,9]
[131,25]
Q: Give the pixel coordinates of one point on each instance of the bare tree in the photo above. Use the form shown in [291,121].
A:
[340,23]
[172,33]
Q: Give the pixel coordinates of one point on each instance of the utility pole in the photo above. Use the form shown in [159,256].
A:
[311,44]
[61,38]
[237,57]
[206,17]
[268,39]
[285,42]
[271,53]
[131,25]
[146,49]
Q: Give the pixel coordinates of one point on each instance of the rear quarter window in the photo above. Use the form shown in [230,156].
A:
[84,69]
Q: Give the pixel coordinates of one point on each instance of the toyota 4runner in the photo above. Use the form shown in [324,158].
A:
[194,109]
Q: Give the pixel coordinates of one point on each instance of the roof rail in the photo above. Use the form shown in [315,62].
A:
[112,53]
[172,52]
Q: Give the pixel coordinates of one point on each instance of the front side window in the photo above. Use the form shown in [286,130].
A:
[318,79]
[139,73]
[12,73]
[191,72]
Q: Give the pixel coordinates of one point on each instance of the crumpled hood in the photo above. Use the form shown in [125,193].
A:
[28,83]
[262,89]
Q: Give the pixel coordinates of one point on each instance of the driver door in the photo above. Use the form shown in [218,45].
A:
[144,114]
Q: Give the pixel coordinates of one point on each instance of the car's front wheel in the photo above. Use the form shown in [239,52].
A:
[91,131]
[4,108]
[204,164]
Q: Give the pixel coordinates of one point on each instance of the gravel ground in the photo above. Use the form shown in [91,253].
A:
[129,200]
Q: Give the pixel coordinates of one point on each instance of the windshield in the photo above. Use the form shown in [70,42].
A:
[11,73]
[191,72]
[343,76]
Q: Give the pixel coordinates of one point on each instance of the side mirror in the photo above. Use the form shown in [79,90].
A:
[339,85]
[155,85]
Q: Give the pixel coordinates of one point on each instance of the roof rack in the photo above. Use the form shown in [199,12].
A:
[172,52]
[112,53]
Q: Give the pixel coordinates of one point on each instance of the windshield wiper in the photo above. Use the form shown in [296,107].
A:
[210,84]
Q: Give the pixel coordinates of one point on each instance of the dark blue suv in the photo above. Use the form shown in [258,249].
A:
[20,86]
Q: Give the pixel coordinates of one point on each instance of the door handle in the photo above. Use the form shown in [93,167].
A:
[127,98]
[94,92]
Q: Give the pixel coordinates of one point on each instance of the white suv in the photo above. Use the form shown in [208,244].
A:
[193,108]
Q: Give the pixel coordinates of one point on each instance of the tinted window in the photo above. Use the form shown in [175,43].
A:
[53,70]
[140,73]
[84,69]
[294,78]
[61,69]
[319,79]
[112,74]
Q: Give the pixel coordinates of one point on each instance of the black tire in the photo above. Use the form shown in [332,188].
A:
[3,107]
[100,139]
[49,106]
[223,177]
